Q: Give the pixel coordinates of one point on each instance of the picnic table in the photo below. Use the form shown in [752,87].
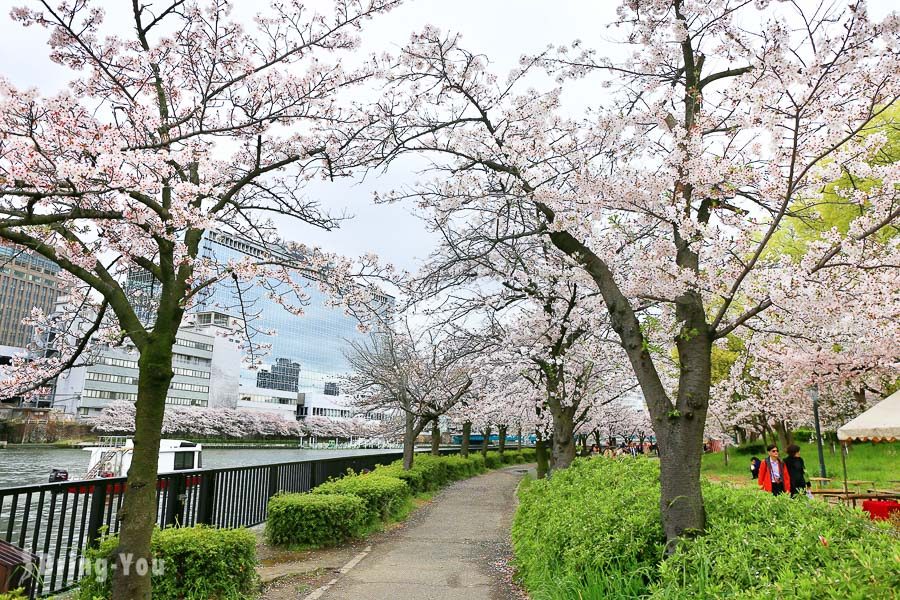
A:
[819,481]
[884,496]
[858,483]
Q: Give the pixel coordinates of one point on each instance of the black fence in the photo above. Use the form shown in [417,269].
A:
[57,521]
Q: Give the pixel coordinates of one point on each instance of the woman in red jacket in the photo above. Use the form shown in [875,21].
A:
[773,474]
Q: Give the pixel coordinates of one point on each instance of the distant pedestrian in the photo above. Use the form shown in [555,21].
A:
[754,468]
[795,469]
[773,474]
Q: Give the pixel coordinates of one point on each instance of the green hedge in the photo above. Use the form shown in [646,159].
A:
[593,531]
[383,496]
[414,478]
[314,519]
[477,462]
[493,460]
[196,563]
[434,470]
[749,448]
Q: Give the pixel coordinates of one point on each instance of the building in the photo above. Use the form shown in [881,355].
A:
[305,364]
[300,374]
[27,281]
[113,375]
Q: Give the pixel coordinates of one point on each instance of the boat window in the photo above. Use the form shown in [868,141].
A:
[184,460]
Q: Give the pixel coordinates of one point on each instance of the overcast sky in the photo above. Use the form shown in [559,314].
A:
[503,30]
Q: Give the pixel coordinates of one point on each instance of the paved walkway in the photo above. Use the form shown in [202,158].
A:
[456,548]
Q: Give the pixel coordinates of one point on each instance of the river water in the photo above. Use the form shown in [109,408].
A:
[26,466]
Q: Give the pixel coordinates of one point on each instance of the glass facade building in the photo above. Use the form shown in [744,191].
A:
[306,358]
[27,280]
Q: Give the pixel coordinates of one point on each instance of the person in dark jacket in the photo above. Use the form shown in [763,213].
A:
[795,469]
[754,467]
[773,475]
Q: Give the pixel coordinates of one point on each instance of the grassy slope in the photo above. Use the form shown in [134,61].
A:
[874,462]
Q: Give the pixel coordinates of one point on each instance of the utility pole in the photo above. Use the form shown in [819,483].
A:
[814,392]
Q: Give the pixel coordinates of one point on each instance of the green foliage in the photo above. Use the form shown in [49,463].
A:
[775,550]
[592,517]
[434,470]
[810,219]
[592,531]
[382,495]
[750,448]
[197,563]
[804,435]
[414,478]
[314,519]
[493,460]
[477,462]
[458,468]
[18,594]
[528,455]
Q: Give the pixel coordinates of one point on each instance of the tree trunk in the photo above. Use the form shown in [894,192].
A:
[486,436]
[597,437]
[435,438]
[680,444]
[466,433]
[519,438]
[584,444]
[502,433]
[138,514]
[541,456]
[725,448]
[563,448]
[785,436]
[409,441]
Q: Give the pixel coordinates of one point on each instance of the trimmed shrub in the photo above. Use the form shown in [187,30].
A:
[528,454]
[477,462]
[433,469]
[414,478]
[383,496]
[593,531]
[511,457]
[492,460]
[749,448]
[457,468]
[314,519]
[197,562]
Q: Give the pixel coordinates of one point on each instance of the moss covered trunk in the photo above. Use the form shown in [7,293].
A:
[563,441]
[466,434]
[138,514]
[486,437]
[540,451]
[409,441]
[435,438]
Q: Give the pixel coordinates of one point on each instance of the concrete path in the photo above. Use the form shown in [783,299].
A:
[456,548]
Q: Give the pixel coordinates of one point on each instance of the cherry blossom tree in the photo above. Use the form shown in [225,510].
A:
[724,114]
[421,375]
[187,121]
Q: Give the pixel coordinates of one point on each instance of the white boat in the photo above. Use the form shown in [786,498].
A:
[111,457]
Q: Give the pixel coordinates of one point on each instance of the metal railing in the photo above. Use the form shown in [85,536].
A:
[57,521]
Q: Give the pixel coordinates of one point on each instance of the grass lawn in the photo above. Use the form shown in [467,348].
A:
[866,461]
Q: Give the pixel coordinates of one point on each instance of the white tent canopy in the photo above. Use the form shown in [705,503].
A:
[881,423]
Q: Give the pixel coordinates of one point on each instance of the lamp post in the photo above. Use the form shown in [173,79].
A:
[814,392]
